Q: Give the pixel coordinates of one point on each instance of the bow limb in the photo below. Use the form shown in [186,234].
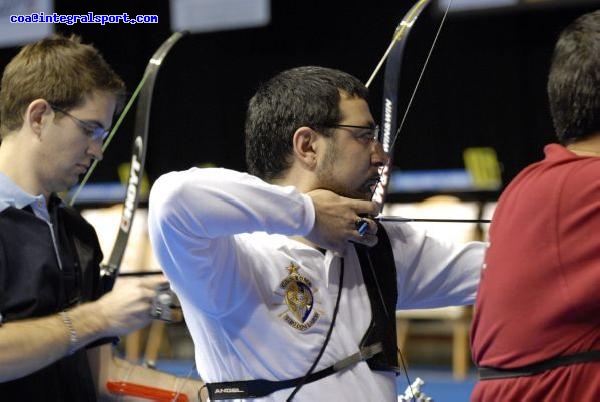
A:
[138,158]
[158,56]
[399,39]
[393,61]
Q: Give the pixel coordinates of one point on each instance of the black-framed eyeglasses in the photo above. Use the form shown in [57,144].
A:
[368,133]
[95,131]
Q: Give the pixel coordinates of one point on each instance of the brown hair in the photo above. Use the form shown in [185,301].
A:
[58,69]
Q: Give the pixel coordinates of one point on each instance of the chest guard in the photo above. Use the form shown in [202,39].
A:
[379,274]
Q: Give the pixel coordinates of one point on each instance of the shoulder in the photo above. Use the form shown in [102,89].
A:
[77,225]
[3,205]
[398,230]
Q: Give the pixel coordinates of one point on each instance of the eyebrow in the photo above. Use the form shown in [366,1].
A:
[370,124]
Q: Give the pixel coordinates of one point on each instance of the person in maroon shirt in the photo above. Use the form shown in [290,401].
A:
[536,330]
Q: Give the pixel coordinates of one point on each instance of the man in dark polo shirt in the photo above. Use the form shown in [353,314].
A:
[57,101]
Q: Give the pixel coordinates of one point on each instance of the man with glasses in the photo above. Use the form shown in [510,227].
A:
[57,101]
[288,288]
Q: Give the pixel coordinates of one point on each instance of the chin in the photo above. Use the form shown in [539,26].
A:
[365,193]
[360,195]
[70,183]
[356,193]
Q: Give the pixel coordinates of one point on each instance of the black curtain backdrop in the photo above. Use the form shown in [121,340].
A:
[485,84]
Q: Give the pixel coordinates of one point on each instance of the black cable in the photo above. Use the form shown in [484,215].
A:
[335,311]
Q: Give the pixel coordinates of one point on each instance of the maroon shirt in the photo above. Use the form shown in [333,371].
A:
[539,295]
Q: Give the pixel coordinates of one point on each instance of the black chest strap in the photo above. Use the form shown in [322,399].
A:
[378,346]
[218,391]
[379,273]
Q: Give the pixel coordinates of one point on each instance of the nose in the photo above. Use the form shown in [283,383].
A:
[379,157]
[95,149]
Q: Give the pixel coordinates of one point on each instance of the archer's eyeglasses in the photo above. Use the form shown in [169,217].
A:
[367,134]
[93,130]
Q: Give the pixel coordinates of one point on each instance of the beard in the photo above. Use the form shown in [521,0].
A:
[330,181]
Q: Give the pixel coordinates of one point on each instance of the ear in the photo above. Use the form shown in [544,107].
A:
[305,144]
[37,114]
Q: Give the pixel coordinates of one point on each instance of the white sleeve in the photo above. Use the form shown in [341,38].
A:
[211,203]
[194,216]
[432,272]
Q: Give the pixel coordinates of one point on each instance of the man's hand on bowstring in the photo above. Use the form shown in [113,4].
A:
[339,220]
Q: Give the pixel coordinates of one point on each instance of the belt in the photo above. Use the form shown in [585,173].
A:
[258,388]
[491,373]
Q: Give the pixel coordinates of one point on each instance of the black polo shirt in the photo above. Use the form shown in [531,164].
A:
[46,267]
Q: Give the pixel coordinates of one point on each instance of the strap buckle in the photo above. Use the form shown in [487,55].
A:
[363,354]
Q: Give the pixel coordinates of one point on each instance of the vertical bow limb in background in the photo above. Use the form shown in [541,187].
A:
[138,157]
[393,63]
